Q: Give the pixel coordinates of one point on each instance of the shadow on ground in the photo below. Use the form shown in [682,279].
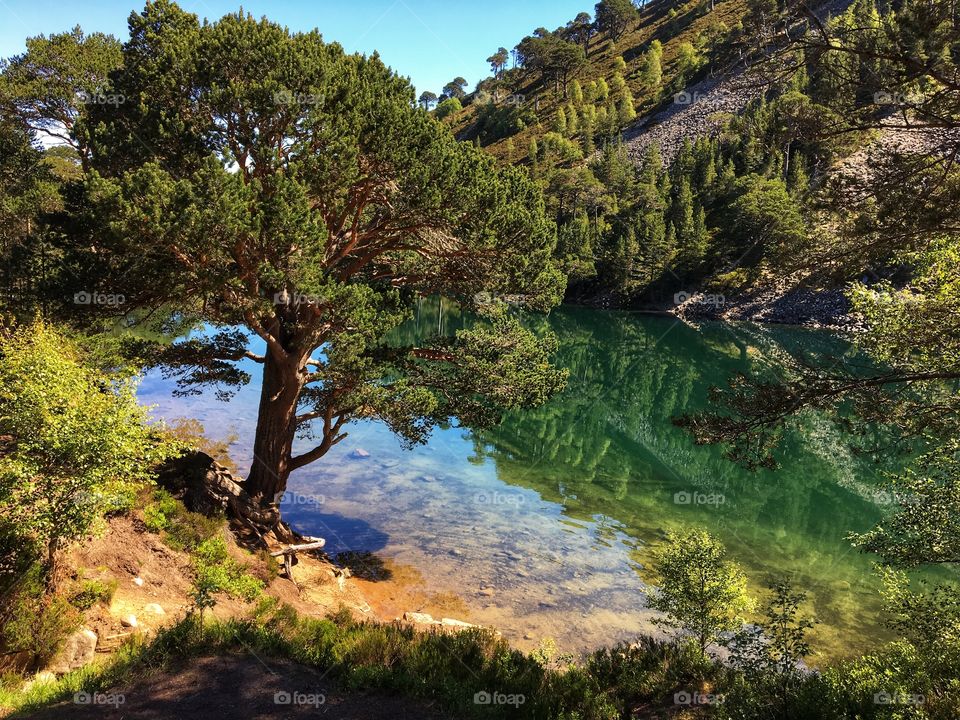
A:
[240,687]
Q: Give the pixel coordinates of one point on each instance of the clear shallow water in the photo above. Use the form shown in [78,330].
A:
[543,525]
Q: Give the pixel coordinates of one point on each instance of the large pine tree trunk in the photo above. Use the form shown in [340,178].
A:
[276,428]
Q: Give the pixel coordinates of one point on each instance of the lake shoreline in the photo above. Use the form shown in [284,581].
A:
[782,303]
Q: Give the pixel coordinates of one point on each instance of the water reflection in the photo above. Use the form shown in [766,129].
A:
[543,524]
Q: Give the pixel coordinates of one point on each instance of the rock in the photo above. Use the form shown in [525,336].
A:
[456,553]
[450,622]
[138,581]
[129,621]
[359,454]
[528,636]
[487,592]
[78,650]
[419,618]
[41,678]
[154,609]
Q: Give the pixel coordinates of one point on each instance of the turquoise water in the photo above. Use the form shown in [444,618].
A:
[543,525]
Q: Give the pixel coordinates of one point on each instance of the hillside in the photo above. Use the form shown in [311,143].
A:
[710,109]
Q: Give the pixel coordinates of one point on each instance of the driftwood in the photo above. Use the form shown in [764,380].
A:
[289,554]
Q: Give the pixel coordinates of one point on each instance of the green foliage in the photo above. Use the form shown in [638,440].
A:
[180,528]
[88,593]
[35,621]
[447,108]
[50,84]
[615,17]
[767,218]
[701,592]
[79,445]
[216,572]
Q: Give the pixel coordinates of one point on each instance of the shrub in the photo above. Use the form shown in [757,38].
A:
[80,442]
[180,528]
[92,592]
[216,572]
[449,107]
[37,622]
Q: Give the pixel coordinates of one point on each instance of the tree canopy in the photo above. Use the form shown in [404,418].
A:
[264,179]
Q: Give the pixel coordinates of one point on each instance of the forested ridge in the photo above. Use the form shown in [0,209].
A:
[750,187]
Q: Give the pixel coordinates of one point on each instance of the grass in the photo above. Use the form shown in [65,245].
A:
[178,527]
[448,669]
[639,680]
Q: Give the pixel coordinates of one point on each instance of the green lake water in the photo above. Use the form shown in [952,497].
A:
[543,525]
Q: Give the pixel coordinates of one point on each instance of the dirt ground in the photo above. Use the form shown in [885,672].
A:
[237,687]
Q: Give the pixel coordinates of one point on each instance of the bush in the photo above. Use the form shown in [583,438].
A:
[80,443]
[450,106]
[180,528]
[37,622]
[92,592]
[216,572]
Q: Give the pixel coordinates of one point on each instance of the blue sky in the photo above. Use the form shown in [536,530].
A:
[430,41]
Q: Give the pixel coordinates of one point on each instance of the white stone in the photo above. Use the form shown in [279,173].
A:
[78,650]
[138,581]
[129,621]
[153,608]
[419,618]
[450,622]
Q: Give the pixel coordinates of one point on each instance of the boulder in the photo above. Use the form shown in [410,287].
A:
[450,622]
[153,609]
[78,650]
[129,621]
[41,678]
[419,618]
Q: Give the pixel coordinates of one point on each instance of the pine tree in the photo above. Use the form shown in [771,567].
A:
[617,86]
[603,90]
[626,109]
[652,74]
[576,93]
[587,133]
[573,120]
[560,121]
